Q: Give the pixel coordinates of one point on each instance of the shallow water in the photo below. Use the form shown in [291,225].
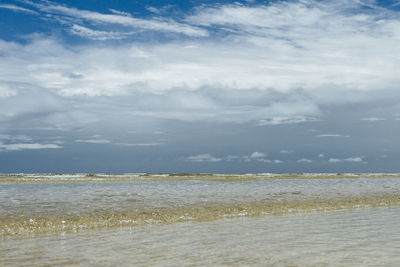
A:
[279,222]
[42,208]
[367,237]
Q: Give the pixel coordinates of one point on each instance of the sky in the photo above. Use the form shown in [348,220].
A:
[199,86]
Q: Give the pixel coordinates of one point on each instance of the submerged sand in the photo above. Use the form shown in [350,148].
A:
[42,207]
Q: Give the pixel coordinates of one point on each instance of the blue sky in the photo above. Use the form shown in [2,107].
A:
[199,86]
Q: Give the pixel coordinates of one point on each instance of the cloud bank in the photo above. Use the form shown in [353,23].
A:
[235,66]
[271,64]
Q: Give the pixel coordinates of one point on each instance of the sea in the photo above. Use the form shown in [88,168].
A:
[199,220]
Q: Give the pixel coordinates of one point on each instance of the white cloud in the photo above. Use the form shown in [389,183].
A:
[23,142]
[373,119]
[118,12]
[93,141]
[285,61]
[105,141]
[5,91]
[304,161]
[333,135]
[253,157]
[18,9]
[66,14]
[202,158]
[321,155]
[328,31]
[17,137]
[153,9]
[98,35]
[257,155]
[286,120]
[27,146]
[351,159]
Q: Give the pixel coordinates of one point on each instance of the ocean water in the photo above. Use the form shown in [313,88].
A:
[281,222]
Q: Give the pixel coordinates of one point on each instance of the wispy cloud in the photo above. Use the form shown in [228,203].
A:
[202,158]
[253,157]
[23,142]
[351,159]
[304,160]
[286,120]
[106,141]
[333,135]
[27,146]
[373,119]
[120,12]
[153,9]
[93,141]
[17,137]
[73,15]
[18,9]
[98,35]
